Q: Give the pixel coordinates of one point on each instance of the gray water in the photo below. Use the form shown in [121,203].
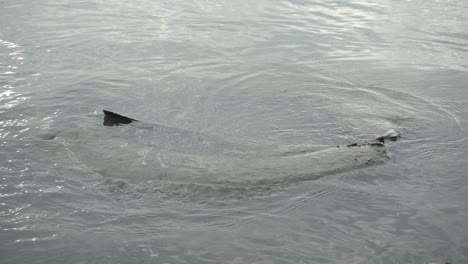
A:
[259,82]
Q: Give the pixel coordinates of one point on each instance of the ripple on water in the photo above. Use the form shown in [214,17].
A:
[345,103]
[262,73]
[11,55]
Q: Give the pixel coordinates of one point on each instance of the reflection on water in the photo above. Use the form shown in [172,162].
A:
[261,79]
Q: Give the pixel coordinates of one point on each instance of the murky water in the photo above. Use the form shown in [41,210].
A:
[243,105]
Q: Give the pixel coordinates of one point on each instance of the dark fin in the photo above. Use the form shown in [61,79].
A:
[113,119]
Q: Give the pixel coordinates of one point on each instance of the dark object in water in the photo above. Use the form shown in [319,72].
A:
[113,119]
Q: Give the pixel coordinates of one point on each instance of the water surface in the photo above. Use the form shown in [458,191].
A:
[252,80]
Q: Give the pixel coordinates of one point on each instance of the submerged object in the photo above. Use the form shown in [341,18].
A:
[176,156]
[207,167]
